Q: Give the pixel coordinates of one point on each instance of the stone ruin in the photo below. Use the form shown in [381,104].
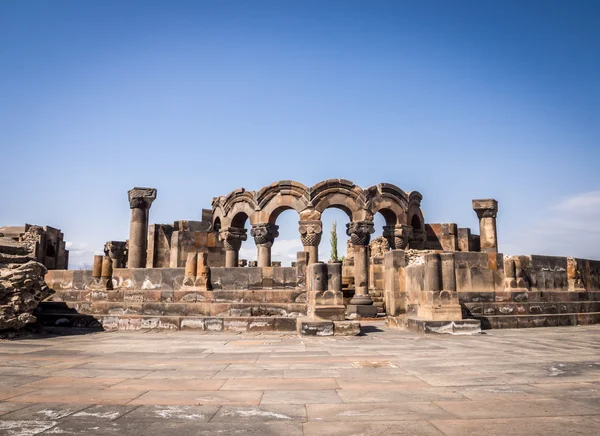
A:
[431,277]
[22,285]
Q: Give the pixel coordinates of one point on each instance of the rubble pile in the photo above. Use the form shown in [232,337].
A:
[22,285]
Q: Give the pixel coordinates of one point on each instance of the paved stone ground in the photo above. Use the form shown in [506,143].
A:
[517,382]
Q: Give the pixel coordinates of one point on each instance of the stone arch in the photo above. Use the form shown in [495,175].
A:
[278,197]
[389,198]
[341,194]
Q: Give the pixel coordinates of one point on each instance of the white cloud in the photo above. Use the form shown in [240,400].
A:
[80,255]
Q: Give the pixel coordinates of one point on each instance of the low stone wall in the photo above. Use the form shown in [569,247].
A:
[500,291]
[143,298]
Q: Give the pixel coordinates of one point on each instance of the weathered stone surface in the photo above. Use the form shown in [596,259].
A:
[22,288]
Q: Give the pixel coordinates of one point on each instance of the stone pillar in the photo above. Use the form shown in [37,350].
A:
[398,236]
[264,235]
[448,272]
[140,200]
[107,272]
[486,210]
[360,235]
[433,280]
[310,234]
[232,238]
[97,267]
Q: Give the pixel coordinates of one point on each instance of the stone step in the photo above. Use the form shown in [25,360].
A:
[174,309]
[543,320]
[184,295]
[197,323]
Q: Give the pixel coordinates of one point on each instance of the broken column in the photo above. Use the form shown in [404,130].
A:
[486,210]
[140,200]
[107,273]
[264,235]
[116,251]
[360,234]
[310,234]
[232,238]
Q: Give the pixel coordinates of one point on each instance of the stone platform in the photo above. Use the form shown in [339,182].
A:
[524,382]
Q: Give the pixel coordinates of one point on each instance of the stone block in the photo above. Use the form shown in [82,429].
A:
[255,278]
[360,311]
[256,324]
[278,277]
[314,328]
[175,309]
[154,309]
[232,324]
[213,324]
[285,324]
[346,328]
[192,323]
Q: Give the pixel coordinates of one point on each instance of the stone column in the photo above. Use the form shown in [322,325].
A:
[398,236]
[97,267]
[264,235]
[140,200]
[360,235]
[232,238]
[310,234]
[486,210]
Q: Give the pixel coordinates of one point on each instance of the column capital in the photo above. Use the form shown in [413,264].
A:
[233,237]
[141,197]
[264,233]
[485,208]
[398,236]
[360,232]
[310,232]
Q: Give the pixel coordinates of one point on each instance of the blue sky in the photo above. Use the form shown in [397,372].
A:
[458,100]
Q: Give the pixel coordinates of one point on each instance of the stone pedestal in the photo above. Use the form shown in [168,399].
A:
[310,234]
[325,306]
[264,235]
[360,235]
[140,200]
[486,210]
[232,238]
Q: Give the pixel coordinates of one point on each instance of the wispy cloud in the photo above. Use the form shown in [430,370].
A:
[80,255]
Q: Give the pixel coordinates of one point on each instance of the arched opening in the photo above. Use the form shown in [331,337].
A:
[415,222]
[217,224]
[248,249]
[287,244]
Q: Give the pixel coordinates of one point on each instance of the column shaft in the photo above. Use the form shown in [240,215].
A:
[264,255]
[138,238]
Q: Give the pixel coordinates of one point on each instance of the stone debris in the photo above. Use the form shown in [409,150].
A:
[22,285]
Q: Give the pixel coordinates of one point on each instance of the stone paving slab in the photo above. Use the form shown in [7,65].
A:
[519,382]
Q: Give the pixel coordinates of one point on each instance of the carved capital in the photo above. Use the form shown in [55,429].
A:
[115,249]
[141,197]
[310,232]
[486,208]
[264,234]
[232,238]
[398,236]
[360,232]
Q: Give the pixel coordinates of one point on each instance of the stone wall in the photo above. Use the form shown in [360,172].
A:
[239,299]
[169,245]
[500,291]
